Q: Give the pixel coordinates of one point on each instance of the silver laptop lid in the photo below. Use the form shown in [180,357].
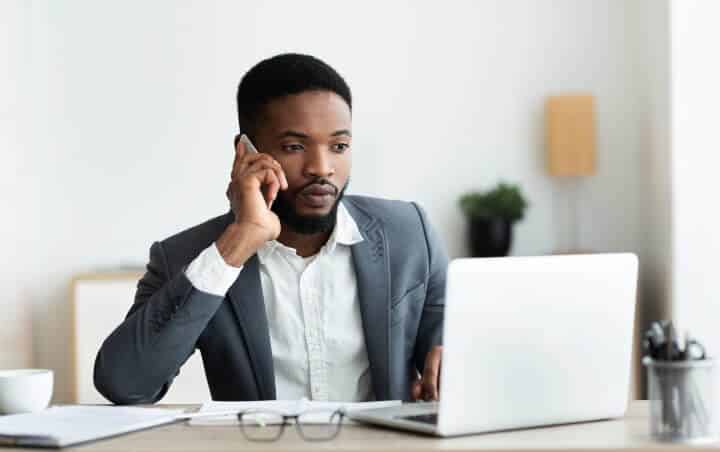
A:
[536,340]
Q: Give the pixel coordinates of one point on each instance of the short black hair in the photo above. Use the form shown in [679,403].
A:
[283,75]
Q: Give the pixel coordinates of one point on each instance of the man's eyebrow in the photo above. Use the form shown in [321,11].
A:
[296,134]
[293,133]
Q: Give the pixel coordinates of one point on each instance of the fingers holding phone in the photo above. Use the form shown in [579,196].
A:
[249,161]
[256,179]
[254,183]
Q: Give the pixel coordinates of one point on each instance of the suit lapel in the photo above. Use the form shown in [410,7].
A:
[372,271]
[249,306]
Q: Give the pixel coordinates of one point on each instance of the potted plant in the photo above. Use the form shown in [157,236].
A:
[491,215]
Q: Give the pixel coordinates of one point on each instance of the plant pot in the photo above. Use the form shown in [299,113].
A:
[490,237]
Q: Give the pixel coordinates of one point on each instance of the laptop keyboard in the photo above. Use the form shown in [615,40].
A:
[425,418]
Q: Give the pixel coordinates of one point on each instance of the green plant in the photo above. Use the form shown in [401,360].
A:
[504,201]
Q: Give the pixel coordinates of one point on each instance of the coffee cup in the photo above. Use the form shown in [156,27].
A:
[25,390]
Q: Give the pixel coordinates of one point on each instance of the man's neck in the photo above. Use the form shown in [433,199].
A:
[304,244]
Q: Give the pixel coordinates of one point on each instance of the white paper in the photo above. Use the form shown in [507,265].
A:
[225,413]
[63,425]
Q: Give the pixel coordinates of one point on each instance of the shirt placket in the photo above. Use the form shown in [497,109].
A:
[314,334]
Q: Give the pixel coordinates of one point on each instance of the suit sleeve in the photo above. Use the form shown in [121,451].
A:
[431,321]
[141,357]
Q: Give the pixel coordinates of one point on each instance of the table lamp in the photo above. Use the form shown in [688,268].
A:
[570,148]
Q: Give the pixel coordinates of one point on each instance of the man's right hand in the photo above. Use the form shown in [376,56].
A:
[254,184]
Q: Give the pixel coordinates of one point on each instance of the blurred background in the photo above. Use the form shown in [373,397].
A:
[117,121]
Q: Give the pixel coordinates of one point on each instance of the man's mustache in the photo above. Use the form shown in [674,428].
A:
[320,182]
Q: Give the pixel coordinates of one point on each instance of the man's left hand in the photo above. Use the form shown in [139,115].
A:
[427,387]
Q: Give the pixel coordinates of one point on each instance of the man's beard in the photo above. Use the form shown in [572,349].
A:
[306,224]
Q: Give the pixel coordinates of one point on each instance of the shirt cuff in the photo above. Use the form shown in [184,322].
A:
[210,273]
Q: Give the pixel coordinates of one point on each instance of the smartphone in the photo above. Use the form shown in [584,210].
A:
[248,144]
[253,150]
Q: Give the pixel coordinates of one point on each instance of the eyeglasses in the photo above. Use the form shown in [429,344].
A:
[266,425]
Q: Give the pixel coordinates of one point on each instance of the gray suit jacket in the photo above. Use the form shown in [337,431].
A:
[400,268]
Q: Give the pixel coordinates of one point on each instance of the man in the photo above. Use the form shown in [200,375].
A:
[299,291]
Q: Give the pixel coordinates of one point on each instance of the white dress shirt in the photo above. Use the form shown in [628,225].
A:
[313,311]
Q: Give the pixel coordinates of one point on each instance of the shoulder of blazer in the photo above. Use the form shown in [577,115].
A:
[402,221]
[181,248]
[388,211]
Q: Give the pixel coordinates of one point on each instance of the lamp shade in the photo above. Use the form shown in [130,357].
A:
[570,135]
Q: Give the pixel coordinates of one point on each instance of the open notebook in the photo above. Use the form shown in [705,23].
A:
[225,413]
[67,425]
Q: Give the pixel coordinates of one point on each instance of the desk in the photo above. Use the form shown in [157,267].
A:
[630,432]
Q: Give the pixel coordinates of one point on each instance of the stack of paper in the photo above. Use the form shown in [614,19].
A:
[66,425]
[225,413]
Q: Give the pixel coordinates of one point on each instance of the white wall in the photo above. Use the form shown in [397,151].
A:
[133,118]
[655,212]
[15,334]
[679,159]
[656,215]
[695,159]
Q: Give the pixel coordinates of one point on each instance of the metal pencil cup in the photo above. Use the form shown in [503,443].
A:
[681,400]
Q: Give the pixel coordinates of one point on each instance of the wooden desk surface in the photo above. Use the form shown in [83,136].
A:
[630,432]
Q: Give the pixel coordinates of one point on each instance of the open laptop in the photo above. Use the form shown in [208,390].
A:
[529,341]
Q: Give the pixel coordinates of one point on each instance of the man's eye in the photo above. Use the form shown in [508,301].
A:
[341,147]
[292,147]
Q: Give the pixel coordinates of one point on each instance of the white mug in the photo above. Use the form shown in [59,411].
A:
[25,390]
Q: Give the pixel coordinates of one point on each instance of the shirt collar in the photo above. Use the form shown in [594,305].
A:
[345,232]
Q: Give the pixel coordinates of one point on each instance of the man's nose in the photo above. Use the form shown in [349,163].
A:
[318,162]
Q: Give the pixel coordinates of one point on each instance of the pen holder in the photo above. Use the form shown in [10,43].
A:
[681,400]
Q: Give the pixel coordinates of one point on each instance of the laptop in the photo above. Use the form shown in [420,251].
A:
[529,341]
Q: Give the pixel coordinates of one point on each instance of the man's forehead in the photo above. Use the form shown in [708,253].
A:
[313,112]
